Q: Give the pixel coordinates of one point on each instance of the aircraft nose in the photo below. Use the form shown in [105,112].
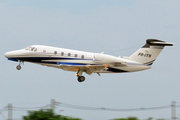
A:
[12,54]
[8,54]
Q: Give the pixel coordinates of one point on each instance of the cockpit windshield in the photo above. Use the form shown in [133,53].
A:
[31,48]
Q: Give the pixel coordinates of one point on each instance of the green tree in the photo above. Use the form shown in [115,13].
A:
[129,118]
[135,118]
[150,118]
[46,114]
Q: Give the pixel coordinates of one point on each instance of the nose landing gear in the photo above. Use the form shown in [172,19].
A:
[19,66]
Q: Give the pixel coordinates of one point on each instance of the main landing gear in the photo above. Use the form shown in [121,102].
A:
[80,77]
[19,66]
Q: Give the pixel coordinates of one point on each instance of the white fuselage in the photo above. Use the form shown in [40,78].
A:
[87,62]
[72,60]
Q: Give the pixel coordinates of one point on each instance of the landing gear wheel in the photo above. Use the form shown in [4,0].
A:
[18,67]
[81,78]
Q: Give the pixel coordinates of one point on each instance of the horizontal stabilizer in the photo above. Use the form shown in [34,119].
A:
[154,42]
[162,43]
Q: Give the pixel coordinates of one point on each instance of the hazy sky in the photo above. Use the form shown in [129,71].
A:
[94,26]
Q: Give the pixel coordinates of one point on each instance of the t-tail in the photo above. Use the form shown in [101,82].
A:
[149,52]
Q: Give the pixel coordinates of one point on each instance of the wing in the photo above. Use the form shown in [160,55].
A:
[89,69]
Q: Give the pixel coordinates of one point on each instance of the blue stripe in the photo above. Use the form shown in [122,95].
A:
[48,58]
[13,59]
[65,63]
[48,62]
[150,63]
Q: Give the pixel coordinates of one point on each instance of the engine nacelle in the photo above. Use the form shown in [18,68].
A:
[107,59]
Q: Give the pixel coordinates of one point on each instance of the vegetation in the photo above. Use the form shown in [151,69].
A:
[46,114]
[134,118]
[129,118]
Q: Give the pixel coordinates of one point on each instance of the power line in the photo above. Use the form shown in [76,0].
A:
[53,105]
[3,116]
[177,105]
[3,109]
[108,109]
[67,105]
[31,107]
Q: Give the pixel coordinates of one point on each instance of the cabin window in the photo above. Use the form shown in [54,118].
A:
[35,49]
[55,52]
[31,49]
[75,55]
[62,53]
[82,56]
[69,54]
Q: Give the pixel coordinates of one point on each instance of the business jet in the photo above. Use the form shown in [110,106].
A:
[87,62]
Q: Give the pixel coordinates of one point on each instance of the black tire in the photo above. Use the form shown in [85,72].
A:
[18,67]
[81,79]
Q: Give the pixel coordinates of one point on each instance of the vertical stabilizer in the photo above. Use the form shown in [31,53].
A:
[149,52]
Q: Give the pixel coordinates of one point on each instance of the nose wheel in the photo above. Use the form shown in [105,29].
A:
[81,78]
[18,67]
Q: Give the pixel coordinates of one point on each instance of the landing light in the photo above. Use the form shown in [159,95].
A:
[107,67]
